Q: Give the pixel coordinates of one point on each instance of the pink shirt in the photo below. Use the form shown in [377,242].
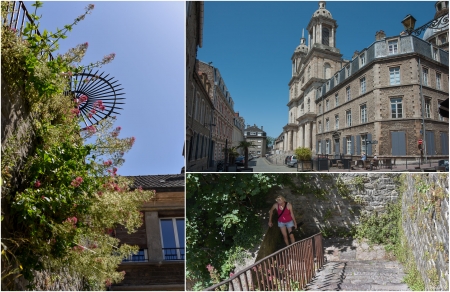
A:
[286,217]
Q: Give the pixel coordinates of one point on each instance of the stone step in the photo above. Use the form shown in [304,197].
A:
[373,275]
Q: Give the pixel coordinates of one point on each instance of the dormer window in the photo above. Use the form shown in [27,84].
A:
[362,59]
[393,47]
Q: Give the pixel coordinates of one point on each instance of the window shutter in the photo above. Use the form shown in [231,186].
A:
[430,143]
[344,145]
[323,147]
[398,143]
[352,139]
[444,143]
[317,146]
[369,146]
[358,145]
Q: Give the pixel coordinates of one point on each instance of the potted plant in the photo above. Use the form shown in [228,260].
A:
[304,161]
[245,145]
[232,154]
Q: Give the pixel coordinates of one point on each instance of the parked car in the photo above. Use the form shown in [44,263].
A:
[240,160]
[292,161]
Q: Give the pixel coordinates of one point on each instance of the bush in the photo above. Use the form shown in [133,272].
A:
[303,153]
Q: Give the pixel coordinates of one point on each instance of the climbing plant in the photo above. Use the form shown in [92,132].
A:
[63,209]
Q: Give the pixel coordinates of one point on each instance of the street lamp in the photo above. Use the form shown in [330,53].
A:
[408,23]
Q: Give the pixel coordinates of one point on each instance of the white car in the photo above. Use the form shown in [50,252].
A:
[292,161]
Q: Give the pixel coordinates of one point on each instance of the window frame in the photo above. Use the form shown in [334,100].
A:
[425,76]
[394,44]
[392,99]
[348,118]
[348,93]
[362,85]
[427,111]
[336,122]
[394,76]
[363,113]
[177,240]
[438,80]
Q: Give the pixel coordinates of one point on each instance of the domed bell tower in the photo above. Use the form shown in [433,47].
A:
[322,28]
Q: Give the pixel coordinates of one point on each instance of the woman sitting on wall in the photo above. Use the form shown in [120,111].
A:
[286,218]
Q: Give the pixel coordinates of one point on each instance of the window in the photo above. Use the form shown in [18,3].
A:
[348,115]
[438,80]
[349,145]
[327,147]
[348,93]
[443,39]
[441,118]
[347,71]
[325,36]
[327,104]
[336,122]
[336,100]
[309,72]
[435,54]
[362,82]
[320,108]
[172,233]
[425,76]
[362,59]
[363,143]
[427,108]
[259,134]
[319,145]
[394,76]
[140,256]
[396,108]
[336,79]
[393,47]
[327,124]
[252,133]
[363,110]
[320,127]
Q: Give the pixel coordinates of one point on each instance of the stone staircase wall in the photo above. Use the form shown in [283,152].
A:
[426,227]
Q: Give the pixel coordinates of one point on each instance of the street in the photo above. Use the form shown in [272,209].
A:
[262,165]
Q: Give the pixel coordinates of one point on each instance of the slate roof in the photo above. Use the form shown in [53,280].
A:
[253,129]
[159,182]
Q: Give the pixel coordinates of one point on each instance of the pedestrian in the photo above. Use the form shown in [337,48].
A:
[286,218]
[363,156]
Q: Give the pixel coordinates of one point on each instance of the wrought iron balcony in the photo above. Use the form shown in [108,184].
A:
[174,254]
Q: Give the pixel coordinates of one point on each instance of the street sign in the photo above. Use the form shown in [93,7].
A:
[420,141]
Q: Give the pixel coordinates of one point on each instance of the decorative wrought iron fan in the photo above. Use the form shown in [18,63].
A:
[96,96]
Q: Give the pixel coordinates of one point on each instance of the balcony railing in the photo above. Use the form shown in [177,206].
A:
[288,269]
[17,17]
[141,256]
[173,254]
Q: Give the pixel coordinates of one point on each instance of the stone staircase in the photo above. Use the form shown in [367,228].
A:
[353,266]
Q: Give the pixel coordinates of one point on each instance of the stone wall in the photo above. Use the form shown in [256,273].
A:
[340,200]
[426,226]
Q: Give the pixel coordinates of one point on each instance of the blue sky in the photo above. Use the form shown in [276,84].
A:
[251,43]
[148,40]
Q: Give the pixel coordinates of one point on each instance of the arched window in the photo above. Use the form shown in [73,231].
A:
[327,71]
[325,36]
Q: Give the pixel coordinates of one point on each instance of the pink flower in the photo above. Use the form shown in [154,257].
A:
[82,98]
[109,58]
[209,268]
[37,184]
[90,6]
[231,274]
[108,282]
[123,273]
[107,163]
[73,220]
[75,111]
[91,129]
[76,182]
[100,193]
[114,134]
[118,128]
[43,197]
[93,111]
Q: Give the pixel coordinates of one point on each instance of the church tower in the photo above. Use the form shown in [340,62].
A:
[313,63]
[322,28]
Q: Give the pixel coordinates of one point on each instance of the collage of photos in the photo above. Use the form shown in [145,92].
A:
[224,146]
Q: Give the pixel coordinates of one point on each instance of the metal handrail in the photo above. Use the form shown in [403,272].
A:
[288,269]
[20,15]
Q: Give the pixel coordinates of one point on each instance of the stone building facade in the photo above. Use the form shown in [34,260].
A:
[238,132]
[384,93]
[258,137]
[199,106]
[224,111]
[159,264]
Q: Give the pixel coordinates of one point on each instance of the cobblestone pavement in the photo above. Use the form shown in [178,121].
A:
[356,266]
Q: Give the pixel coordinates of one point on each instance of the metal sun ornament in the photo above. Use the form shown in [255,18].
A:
[95,96]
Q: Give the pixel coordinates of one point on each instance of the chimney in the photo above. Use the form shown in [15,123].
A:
[379,35]
[355,54]
[262,128]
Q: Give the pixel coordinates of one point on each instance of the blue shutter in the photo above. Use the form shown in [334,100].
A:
[444,143]
[336,148]
[430,142]
[196,147]
[317,146]
[323,147]
[398,143]
[352,138]
[369,146]
[358,145]
[344,145]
